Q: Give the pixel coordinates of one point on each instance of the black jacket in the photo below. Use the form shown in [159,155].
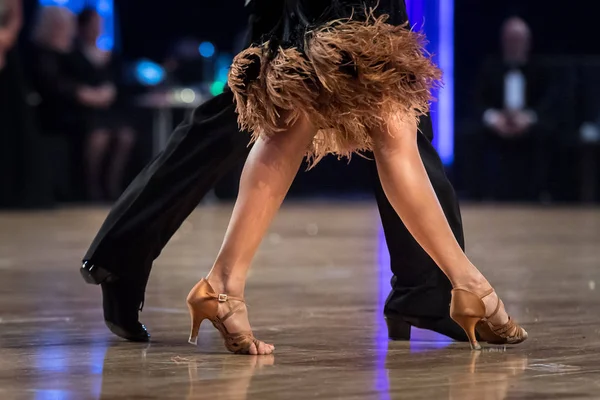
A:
[490,87]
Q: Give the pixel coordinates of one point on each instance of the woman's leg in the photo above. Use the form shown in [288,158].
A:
[267,176]
[407,186]
[96,148]
[125,140]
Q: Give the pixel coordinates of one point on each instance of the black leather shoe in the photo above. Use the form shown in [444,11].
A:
[121,301]
[399,327]
[137,333]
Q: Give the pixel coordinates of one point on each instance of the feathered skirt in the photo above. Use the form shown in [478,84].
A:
[346,76]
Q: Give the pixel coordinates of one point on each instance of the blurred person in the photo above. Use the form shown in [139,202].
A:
[21,164]
[11,98]
[102,122]
[59,92]
[25,181]
[513,100]
[11,19]
[204,148]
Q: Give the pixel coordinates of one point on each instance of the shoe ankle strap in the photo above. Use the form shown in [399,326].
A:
[223,298]
[481,296]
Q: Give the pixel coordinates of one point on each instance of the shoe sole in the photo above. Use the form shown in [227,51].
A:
[122,333]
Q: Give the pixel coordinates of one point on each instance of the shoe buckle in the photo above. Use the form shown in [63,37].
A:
[222,298]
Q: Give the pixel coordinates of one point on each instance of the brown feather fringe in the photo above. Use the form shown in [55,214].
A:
[353,77]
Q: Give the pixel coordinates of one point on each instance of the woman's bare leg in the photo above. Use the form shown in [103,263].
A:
[407,186]
[266,179]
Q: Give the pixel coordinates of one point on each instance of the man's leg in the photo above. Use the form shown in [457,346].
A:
[154,206]
[420,293]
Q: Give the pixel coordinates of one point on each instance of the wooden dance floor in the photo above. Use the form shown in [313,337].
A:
[316,291]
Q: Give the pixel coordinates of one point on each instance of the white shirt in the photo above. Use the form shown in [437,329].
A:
[514,90]
[515,86]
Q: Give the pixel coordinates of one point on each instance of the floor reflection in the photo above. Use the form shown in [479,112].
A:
[55,361]
[234,377]
[210,377]
[456,375]
[491,380]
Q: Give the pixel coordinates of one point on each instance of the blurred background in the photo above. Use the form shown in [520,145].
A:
[91,89]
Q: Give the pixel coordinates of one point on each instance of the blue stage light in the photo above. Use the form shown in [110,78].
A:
[104,7]
[223,74]
[436,19]
[105,42]
[149,73]
[206,49]
[222,64]
[74,5]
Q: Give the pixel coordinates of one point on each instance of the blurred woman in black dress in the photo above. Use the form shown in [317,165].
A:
[96,68]
[60,93]
[25,177]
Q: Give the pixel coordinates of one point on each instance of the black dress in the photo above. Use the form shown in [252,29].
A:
[94,75]
[347,65]
[57,89]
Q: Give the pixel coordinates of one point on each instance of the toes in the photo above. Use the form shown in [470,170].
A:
[259,348]
[253,350]
[263,349]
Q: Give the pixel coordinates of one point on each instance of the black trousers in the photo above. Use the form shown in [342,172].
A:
[202,150]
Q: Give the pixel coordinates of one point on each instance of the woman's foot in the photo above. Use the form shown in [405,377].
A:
[238,321]
[491,302]
[478,307]
[228,313]
[482,288]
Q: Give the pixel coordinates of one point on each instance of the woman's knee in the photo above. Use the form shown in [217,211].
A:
[297,134]
[395,135]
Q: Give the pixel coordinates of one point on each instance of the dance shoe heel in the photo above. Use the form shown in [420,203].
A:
[203,303]
[468,310]
[398,328]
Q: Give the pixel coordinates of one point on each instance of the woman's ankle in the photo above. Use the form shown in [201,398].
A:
[474,282]
[227,284]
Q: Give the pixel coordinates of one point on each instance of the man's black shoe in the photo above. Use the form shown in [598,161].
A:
[399,327]
[122,301]
[137,333]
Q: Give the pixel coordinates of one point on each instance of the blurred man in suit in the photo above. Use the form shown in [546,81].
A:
[512,100]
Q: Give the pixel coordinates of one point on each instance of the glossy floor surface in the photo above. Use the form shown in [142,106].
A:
[316,291]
